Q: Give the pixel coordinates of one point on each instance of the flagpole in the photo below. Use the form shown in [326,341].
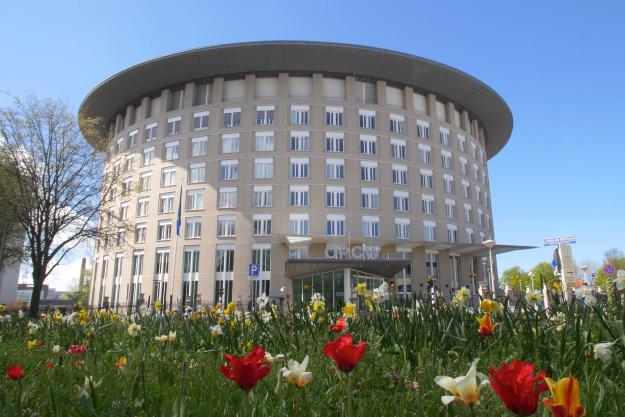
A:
[178,225]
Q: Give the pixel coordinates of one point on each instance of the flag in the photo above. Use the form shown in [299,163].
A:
[178,220]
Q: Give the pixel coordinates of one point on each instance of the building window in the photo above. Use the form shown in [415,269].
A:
[469,234]
[299,142]
[264,142]
[190,262]
[478,194]
[298,195]
[193,227]
[150,132]
[130,163]
[232,117]
[466,189]
[335,169]
[452,233]
[299,115]
[480,217]
[467,213]
[265,115]
[444,136]
[175,100]
[397,124]
[335,196]
[261,224]
[425,154]
[448,183]
[126,186]
[463,166]
[197,173]
[400,174]
[200,120]
[173,126]
[398,148]
[431,264]
[423,129]
[229,170]
[298,224]
[120,146]
[428,204]
[335,225]
[298,167]
[262,196]
[148,156]
[366,119]
[427,178]
[168,177]
[476,171]
[224,259]
[145,180]
[334,116]
[132,138]
[172,151]
[402,229]
[195,200]
[370,198]
[226,226]
[368,171]
[370,226]
[121,236]
[227,197]
[140,232]
[143,206]
[164,230]
[199,146]
[263,168]
[161,266]
[202,94]
[334,142]
[166,203]
[474,150]
[429,231]
[368,145]
[230,143]
[461,142]
[400,201]
[123,211]
[450,208]
[446,159]
[298,253]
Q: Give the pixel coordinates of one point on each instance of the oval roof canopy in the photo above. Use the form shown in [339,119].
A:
[106,99]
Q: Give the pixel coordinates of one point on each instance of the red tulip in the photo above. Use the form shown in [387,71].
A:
[77,350]
[339,325]
[15,372]
[344,352]
[516,385]
[246,371]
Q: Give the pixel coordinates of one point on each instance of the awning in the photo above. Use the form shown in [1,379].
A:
[386,268]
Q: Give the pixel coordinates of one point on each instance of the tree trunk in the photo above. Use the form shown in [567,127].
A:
[38,278]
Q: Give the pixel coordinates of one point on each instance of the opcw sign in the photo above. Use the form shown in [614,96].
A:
[563,240]
[356,252]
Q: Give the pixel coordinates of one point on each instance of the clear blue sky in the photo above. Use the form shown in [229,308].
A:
[558,64]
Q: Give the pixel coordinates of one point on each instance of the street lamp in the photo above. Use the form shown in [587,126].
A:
[490,243]
[584,268]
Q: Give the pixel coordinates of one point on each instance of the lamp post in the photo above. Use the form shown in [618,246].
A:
[490,243]
[584,268]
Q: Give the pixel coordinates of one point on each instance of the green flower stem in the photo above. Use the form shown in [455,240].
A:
[348,388]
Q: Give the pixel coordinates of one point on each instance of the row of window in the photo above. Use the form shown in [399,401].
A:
[299,116]
[299,196]
[299,224]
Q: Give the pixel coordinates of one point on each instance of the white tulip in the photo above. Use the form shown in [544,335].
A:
[603,351]
[296,372]
[464,388]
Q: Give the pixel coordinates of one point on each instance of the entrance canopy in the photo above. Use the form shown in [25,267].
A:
[382,267]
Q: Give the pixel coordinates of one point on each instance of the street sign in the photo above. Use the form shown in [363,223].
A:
[253,270]
[559,240]
[609,269]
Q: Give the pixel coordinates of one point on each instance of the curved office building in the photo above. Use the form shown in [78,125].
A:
[298,168]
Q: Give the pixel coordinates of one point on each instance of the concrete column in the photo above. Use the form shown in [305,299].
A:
[347,286]
[418,271]
[187,99]
[444,274]
[430,100]
[465,122]
[164,100]
[449,113]
[145,105]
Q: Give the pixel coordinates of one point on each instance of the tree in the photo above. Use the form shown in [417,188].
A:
[58,181]
[614,257]
[11,234]
[516,277]
[543,274]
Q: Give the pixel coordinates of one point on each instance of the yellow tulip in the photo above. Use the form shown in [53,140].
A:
[566,400]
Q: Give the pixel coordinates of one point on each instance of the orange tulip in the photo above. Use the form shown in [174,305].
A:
[487,328]
[565,401]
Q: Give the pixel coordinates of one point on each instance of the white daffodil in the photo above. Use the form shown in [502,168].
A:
[56,349]
[32,327]
[266,316]
[464,388]
[603,351]
[585,292]
[161,339]
[216,330]
[533,297]
[559,320]
[88,386]
[619,281]
[134,329]
[262,300]
[296,372]
[171,337]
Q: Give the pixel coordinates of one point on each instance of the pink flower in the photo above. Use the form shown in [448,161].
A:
[77,350]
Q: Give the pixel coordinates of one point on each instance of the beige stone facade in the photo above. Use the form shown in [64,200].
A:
[377,151]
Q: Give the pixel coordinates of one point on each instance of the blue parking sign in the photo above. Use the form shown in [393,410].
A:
[253,270]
